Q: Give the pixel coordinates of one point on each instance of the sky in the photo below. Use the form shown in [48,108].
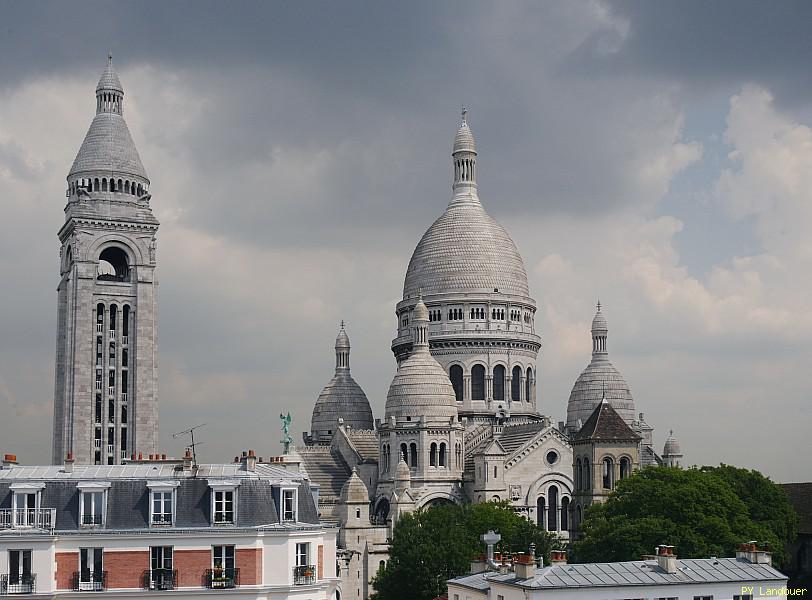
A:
[654,155]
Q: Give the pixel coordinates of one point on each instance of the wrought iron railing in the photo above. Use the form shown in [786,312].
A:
[160,579]
[304,575]
[14,583]
[91,520]
[90,581]
[36,518]
[220,578]
[161,518]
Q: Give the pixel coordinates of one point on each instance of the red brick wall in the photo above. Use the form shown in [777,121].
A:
[67,563]
[320,564]
[249,562]
[191,566]
[125,569]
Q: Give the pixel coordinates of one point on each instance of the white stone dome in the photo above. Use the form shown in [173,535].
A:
[354,490]
[672,446]
[465,250]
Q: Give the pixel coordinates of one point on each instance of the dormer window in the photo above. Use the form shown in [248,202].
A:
[223,501]
[26,504]
[289,512]
[93,503]
[162,502]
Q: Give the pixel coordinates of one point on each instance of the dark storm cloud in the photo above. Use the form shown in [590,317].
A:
[709,44]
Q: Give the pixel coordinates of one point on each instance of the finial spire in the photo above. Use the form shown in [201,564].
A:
[599,305]
[342,349]
[464,116]
[464,154]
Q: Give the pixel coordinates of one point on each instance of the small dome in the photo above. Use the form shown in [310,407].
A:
[421,313]
[599,322]
[354,490]
[421,388]
[109,78]
[342,339]
[402,472]
[108,147]
[671,445]
[464,140]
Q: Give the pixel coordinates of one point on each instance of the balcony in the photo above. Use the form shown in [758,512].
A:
[98,385]
[111,391]
[91,520]
[124,397]
[33,518]
[14,583]
[97,444]
[113,334]
[111,449]
[304,575]
[164,519]
[220,578]
[89,581]
[99,327]
[160,579]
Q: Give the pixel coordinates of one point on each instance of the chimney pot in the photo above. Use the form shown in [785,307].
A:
[140,456]
[163,456]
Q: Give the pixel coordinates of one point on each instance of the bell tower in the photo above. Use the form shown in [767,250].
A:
[106,396]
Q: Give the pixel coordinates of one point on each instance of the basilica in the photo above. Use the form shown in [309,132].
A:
[462,423]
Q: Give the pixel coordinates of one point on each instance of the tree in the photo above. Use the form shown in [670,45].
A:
[696,510]
[433,545]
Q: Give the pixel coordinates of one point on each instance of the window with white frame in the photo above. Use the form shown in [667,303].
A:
[92,503]
[289,504]
[162,502]
[223,501]
[302,554]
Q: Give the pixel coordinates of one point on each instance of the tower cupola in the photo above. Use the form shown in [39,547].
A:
[599,332]
[464,156]
[342,349]
[109,92]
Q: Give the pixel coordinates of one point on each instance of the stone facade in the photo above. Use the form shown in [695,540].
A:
[106,396]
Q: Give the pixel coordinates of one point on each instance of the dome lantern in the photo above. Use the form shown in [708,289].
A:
[464,155]
[599,332]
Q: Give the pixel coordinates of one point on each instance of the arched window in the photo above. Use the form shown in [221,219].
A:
[120,186]
[478,382]
[113,265]
[578,515]
[113,315]
[528,385]
[625,467]
[565,516]
[442,454]
[516,384]
[578,474]
[404,450]
[608,473]
[96,184]
[540,512]
[499,383]
[413,452]
[104,184]
[455,374]
[587,481]
[433,455]
[552,508]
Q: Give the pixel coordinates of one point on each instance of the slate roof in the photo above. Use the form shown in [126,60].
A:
[325,467]
[365,441]
[605,424]
[257,496]
[800,495]
[108,147]
[514,437]
[632,573]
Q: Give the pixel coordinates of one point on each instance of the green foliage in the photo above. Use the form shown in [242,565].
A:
[436,544]
[706,512]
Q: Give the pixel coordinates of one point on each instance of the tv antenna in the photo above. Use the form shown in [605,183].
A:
[191,432]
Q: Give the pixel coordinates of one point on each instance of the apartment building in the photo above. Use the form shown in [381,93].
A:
[163,527]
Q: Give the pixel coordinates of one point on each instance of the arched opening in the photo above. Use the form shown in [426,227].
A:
[565,514]
[96,184]
[438,502]
[433,455]
[455,375]
[382,510]
[441,458]
[499,383]
[478,382]
[540,512]
[578,474]
[625,467]
[608,473]
[404,451]
[413,453]
[552,508]
[104,184]
[120,186]
[587,481]
[516,384]
[113,315]
[578,515]
[113,265]
[528,385]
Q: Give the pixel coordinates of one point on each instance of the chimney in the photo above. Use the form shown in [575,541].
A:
[250,461]
[524,565]
[666,559]
[479,565]
[558,557]
[69,463]
[187,460]
[9,460]
[751,552]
